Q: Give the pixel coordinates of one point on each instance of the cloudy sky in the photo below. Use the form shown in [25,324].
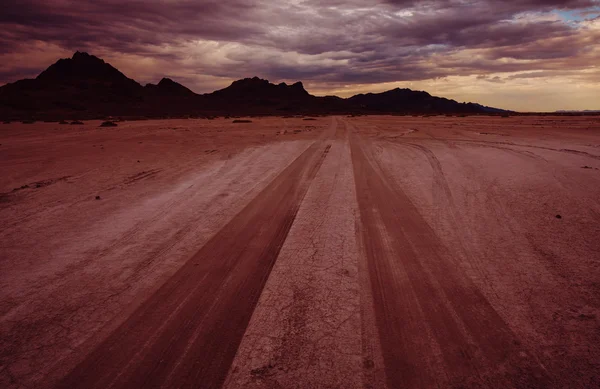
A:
[528,55]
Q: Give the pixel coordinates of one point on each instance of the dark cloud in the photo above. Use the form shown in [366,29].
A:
[320,41]
[125,25]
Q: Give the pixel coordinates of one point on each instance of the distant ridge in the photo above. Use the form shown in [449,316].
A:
[415,102]
[262,89]
[84,86]
[582,111]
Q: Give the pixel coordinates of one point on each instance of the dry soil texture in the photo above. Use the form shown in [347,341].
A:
[363,252]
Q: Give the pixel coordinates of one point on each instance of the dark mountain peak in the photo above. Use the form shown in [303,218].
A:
[167,81]
[255,87]
[253,82]
[407,100]
[168,87]
[394,93]
[407,92]
[298,86]
[82,56]
[83,67]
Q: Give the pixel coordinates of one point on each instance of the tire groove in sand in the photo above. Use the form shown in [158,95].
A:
[436,327]
[307,329]
[187,333]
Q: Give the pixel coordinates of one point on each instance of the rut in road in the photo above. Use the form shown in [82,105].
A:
[436,327]
[187,333]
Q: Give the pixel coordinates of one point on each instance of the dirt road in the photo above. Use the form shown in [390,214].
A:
[368,252]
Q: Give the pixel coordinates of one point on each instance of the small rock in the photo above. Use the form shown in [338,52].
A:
[108,124]
[97,197]
[587,317]
[558,217]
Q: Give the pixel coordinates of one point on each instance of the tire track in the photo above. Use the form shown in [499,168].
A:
[436,327]
[187,333]
[486,142]
[447,211]
[480,143]
[441,187]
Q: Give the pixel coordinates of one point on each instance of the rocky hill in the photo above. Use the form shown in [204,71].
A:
[85,87]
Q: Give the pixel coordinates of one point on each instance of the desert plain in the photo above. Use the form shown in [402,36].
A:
[339,252]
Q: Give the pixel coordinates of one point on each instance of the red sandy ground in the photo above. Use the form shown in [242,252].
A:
[365,252]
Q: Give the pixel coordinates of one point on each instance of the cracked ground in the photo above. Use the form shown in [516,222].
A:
[354,252]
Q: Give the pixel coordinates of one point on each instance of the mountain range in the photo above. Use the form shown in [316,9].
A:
[86,87]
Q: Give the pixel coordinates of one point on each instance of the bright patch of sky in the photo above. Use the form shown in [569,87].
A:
[578,15]
[571,16]
[404,13]
[534,17]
